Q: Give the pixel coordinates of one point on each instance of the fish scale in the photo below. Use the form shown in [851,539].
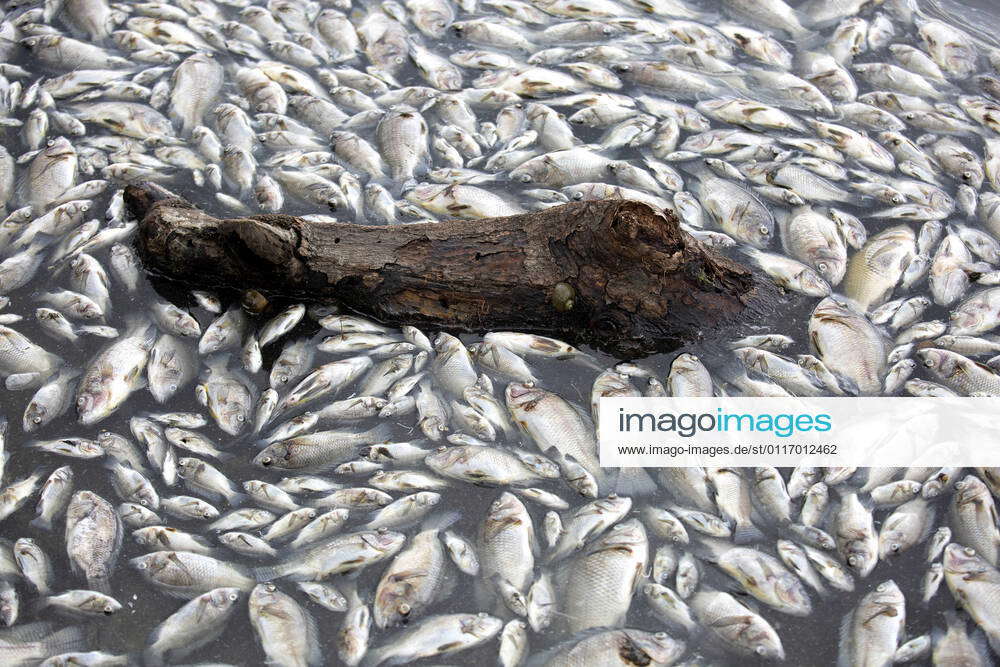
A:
[283,106]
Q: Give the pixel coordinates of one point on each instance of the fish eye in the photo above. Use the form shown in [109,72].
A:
[270,588]
[241,418]
[404,609]
[606,30]
[50,142]
[894,548]
[109,610]
[525,178]
[969,551]
[142,566]
[929,363]
[578,196]
[759,650]
[881,587]
[764,230]
[966,175]
[822,266]
[266,461]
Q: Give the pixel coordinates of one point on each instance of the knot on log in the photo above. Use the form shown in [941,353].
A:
[638,283]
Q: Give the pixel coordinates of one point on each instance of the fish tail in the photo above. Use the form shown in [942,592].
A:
[68,640]
[40,605]
[398,186]
[381,433]
[807,39]
[601,476]
[747,533]
[440,521]
[225,456]
[153,657]
[268,572]
[99,583]
[41,523]
[138,324]
[236,498]
[634,482]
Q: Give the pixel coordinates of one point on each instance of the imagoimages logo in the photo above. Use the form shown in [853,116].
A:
[789,431]
[688,424]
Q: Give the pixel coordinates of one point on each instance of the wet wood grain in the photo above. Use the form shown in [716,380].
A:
[641,285]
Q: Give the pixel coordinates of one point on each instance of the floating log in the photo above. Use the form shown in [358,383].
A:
[618,275]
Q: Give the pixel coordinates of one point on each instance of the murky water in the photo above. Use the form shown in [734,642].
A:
[807,641]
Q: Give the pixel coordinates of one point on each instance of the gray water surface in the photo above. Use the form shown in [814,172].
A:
[807,641]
